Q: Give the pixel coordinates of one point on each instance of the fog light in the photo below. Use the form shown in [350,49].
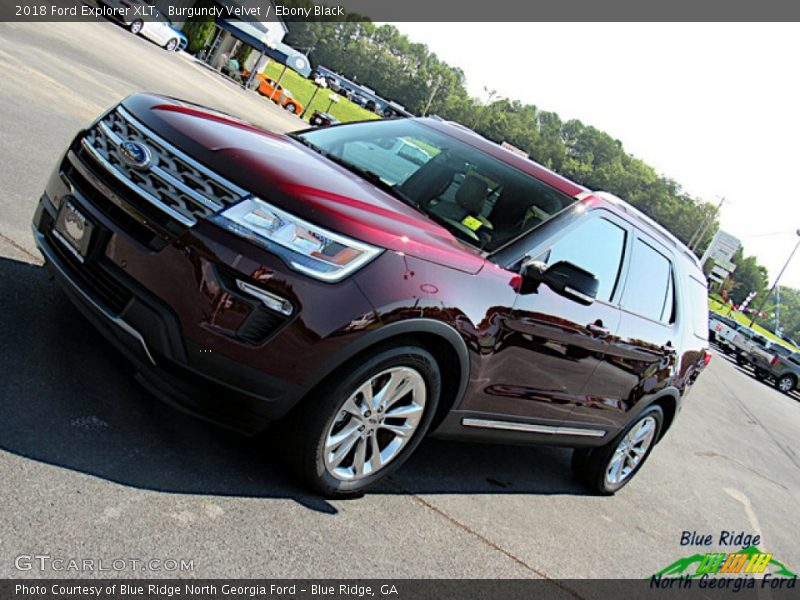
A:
[270,300]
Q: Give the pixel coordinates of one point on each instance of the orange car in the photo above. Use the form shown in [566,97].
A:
[279,94]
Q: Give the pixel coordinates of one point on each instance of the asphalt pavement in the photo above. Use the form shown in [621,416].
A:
[92,466]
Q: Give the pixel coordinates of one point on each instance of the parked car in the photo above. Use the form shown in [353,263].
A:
[322,119]
[722,331]
[156,28]
[253,277]
[744,342]
[277,93]
[782,369]
[183,39]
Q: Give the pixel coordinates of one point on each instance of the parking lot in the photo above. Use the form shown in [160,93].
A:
[92,466]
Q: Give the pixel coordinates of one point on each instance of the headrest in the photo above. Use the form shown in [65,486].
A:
[471,194]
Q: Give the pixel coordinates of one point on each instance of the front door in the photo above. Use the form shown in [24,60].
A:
[551,345]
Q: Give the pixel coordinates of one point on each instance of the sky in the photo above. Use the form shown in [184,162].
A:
[715,107]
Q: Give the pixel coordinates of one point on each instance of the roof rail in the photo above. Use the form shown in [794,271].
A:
[650,222]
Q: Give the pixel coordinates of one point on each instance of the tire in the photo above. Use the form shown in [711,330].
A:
[318,430]
[760,374]
[741,360]
[292,108]
[593,466]
[785,383]
[136,27]
[171,45]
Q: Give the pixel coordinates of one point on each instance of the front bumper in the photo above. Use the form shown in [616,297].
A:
[167,298]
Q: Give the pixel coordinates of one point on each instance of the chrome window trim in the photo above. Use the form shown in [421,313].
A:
[531,427]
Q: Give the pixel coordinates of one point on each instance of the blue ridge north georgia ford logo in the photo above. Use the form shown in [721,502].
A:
[136,155]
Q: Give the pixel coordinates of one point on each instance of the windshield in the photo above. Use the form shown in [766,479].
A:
[481,199]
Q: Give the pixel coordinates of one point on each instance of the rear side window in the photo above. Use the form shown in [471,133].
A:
[697,303]
[596,246]
[649,288]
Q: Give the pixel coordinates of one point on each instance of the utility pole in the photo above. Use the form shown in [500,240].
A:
[491,94]
[433,94]
[777,279]
[698,235]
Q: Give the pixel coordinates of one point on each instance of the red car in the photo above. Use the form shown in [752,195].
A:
[367,299]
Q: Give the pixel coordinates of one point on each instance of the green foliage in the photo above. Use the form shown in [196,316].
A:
[243,53]
[303,90]
[200,32]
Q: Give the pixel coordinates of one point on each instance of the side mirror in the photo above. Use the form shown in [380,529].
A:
[563,278]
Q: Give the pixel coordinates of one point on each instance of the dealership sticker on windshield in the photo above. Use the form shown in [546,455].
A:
[471,222]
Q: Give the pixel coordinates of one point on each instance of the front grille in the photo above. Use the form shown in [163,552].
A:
[178,186]
[94,276]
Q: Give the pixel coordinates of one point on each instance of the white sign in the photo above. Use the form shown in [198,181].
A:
[714,277]
[725,264]
[722,248]
[720,272]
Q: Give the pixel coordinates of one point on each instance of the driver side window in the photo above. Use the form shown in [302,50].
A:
[596,245]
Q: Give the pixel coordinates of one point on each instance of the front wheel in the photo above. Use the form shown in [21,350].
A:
[741,360]
[292,108]
[136,27]
[365,422]
[609,468]
[760,374]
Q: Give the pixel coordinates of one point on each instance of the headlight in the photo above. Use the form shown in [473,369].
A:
[305,247]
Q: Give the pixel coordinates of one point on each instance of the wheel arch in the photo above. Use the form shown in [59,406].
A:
[667,400]
[440,339]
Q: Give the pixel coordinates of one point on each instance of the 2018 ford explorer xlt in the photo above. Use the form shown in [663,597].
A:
[369,296]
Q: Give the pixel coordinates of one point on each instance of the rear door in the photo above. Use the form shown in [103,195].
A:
[641,357]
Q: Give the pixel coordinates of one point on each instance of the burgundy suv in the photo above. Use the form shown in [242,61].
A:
[373,282]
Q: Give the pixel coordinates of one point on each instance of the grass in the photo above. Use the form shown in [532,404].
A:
[722,309]
[303,89]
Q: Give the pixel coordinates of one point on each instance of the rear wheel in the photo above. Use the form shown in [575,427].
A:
[609,468]
[785,383]
[741,360]
[171,45]
[136,27]
[366,421]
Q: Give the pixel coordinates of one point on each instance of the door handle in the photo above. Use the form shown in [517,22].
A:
[598,329]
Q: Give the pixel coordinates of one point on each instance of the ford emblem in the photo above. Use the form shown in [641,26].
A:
[136,155]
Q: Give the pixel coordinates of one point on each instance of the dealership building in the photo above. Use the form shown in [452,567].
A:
[264,36]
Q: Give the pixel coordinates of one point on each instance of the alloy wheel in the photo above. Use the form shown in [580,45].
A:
[631,450]
[375,423]
[785,384]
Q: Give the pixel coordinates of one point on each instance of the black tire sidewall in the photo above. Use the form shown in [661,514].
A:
[322,407]
[593,469]
[174,45]
[134,25]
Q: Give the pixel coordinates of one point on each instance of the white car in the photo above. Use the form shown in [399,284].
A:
[155,28]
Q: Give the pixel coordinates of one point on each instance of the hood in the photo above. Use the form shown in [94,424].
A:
[301,181]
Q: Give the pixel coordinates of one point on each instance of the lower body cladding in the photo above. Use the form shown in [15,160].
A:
[202,335]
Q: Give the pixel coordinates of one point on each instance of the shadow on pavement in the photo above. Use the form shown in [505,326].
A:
[68,399]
